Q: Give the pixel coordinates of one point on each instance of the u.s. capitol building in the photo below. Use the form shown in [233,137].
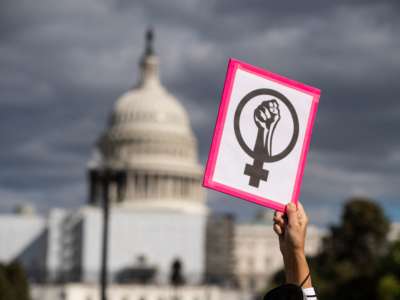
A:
[158,215]
[158,211]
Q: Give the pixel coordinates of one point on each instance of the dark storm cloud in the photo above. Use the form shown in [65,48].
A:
[63,65]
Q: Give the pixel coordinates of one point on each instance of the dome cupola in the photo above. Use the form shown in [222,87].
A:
[150,142]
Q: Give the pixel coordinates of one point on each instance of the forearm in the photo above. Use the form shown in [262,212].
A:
[296,269]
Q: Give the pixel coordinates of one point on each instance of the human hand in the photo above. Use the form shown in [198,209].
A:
[291,229]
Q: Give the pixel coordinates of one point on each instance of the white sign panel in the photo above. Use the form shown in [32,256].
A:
[261,136]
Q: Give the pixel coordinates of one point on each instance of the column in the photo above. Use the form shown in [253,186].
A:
[140,184]
[151,192]
[169,190]
[113,191]
[192,189]
[177,187]
[171,186]
[146,186]
[130,185]
[184,187]
[122,185]
[156,187]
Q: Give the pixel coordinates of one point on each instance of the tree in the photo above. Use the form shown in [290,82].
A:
[13,282]
[6,290]
[389,288]
[351,254]
[358,242]
[389,281]
[391,262]
[19,281]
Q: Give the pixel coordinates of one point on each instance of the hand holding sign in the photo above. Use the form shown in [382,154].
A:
[270,118]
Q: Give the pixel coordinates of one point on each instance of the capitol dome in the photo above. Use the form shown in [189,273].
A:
[150,105]
[151,147]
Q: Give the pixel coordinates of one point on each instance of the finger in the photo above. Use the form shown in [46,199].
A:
[263,115]
[300,216]
[271,104]
[258,116]
[267,113]
[291,212]
[301,212]
[280,222]
[279,219]
[277,229]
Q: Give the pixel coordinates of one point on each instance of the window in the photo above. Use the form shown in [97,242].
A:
[250,263]
[252,283]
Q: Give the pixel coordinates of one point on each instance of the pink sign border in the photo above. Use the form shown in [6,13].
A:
[208,182]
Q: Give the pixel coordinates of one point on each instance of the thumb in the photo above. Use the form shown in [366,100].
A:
[291,212]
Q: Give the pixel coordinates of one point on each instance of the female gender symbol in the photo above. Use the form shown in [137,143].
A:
[261,152]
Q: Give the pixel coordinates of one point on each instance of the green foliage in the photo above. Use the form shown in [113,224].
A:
[6,289]
[18,280]
[389,288]
[359,240]
[13,282]
[355,261]
[391,262]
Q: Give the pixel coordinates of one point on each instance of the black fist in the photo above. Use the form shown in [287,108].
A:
[267,114]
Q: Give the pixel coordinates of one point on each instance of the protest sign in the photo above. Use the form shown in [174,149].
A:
[261,136]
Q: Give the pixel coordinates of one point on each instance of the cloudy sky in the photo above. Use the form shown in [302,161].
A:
[63,64]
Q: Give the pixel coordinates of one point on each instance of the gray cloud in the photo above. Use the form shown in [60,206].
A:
[63,65]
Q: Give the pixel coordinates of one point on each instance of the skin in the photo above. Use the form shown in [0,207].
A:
[291,229]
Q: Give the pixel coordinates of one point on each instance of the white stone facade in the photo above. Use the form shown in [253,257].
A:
[257,254]
[18,233]
[159,237]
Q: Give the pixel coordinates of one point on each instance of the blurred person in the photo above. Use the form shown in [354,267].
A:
[291,229]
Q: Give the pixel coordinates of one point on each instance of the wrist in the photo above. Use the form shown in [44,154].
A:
[293,260]
[296,268]
[295,253]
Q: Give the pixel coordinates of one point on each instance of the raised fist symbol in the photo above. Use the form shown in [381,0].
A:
[266,116]
[272,112]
